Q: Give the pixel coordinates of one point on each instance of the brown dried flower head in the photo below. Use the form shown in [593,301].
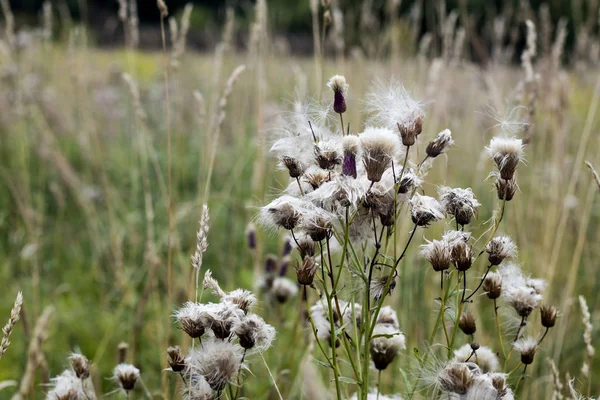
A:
[548,315]
[506,188]
[293,166]
[467,323]
[306,271]
[492,285]
[176,358]
[80,365]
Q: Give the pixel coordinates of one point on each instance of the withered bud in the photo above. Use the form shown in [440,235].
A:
[467,323]
[306,271]
[327,159]
[319,229]
[462,256]
[409,133]
[349,165]
[438,145]
[506,188]
[80,365]
[293,166]
[548,315]
[285,216]
[492,285]
[176,358]
[337,83]
[475,346]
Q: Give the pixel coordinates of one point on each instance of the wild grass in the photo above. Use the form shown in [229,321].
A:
[85,194]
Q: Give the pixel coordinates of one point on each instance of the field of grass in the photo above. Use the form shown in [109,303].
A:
[90,161]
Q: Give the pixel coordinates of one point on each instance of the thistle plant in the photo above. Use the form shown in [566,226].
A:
[350,196]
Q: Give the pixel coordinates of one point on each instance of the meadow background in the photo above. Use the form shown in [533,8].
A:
[96,158]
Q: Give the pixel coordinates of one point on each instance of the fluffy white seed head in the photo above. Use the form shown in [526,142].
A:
[66,386]
[126,375]
[338,84]
[484,357]
[283,289]
[506,153]
[459,203]
[218,361]
[386,345]
[254,333]
[380,146]
[438,253]
[425,209]
[500,248]
[527,347]
[522,293]
[391,105]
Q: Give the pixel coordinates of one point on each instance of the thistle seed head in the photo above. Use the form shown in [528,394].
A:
[176,358]
[499,249]
[386,347]
[438,253]
[548,315]
[527,348]
[80,365]
[306,271]
[126,375]
[492,285]
[506,189]
[506,153]
[440,144]
[380,146]
[293,166]
[467,323]
[425,209]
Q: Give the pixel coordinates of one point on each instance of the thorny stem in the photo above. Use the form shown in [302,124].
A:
[480,284]
[499,329]
[520,379]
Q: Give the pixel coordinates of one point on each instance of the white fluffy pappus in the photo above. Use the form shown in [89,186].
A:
[484,357]
[425,209]
[218,361]
[68,386]
[390,104]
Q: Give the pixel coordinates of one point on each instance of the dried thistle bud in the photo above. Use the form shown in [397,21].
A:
[306,271]
[438,145]
[380,146]
[80,365]
[251,235]
[253,332]
[409,132]
[438,254]
[475,346]
[456,378]
[548,315]
[285,263]
[176,358]
[327,155]
[318,227]
[306,247]
[467,323]
[499,249]
[459,203]
[192,319]
[527,348]
[126,375]
[506,153]
[122,348]
[293,166]
[378,286]
[316,178]
[506,189]
[338,84]
[462,256]
[386,346]
[492,285]
[425,209]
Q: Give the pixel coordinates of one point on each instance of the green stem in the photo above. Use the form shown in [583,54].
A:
[499,329]
[443,308]
[520,379]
